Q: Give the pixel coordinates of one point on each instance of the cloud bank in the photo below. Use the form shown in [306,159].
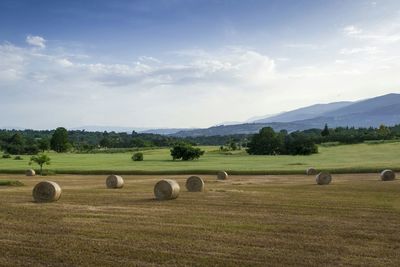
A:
[42,86]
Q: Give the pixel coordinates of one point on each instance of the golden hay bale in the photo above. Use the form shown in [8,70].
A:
[311,171]
[46,191]
[222,175]
[166,189]
[194,184]
[388,175]
[30,172]
[114,181]
[323,178]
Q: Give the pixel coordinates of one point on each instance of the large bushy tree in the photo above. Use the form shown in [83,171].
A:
[185,152]
[298,143]
[59,140]
[268,142]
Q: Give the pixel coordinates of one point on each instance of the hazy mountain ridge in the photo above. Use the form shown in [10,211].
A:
[370,112]
[305,112]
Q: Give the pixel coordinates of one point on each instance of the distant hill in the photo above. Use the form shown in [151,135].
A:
[166,131]
[117,129]
[245,128]
[305,113]
[121,129]
[364,113]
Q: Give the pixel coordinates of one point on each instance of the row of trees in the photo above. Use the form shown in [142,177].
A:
[18,144]
[60,140]
[351,135]
[268,142]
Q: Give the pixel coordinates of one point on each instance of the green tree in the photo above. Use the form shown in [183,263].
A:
[59,140]
[44,144]
[384,132]
[266,142]
[298,143]
[41,159]
[105,142]
[325,131]
[185,152]
[232,145]
[15,144]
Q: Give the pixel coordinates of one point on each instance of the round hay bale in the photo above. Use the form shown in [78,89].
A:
[388,175]
[166,189]
[30,172]
[194,184]
[311,171]
[323,178]
[114,181]
[222,175]
[46,191]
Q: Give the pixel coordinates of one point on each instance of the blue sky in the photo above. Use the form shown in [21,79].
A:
[189,63]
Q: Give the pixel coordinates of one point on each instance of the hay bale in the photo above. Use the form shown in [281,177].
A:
[388,175]
[114,181]
[194,184]
[166,189]
[222,175]
[46,191]
[30,172]
[323,178]
[311,171]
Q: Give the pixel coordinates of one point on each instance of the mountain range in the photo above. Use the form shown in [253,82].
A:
[370,112]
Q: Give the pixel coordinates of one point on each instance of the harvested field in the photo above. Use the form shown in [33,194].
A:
[246,221]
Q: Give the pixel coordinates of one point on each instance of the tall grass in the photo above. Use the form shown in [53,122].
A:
[336,159]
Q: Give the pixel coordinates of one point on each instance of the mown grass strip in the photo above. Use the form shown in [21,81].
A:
[208,172]
[10,183]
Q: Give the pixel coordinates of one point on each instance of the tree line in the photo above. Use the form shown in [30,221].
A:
[19,142]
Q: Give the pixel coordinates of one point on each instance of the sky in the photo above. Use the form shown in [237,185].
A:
[192,63]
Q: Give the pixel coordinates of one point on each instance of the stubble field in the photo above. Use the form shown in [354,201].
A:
[243,221]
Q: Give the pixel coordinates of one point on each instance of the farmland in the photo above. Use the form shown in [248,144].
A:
[246,221]
[340,159]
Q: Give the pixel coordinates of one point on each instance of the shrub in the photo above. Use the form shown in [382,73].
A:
[18,158]
[6,156]
[137,156]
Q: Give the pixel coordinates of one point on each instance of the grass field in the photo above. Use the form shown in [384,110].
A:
[344,158]
[245,221]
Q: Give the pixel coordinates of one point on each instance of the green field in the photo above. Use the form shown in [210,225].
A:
[343,158]
[273,220]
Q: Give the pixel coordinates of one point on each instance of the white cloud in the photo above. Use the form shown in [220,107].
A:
[65,62]
[366,50]
[36,41]
[352,30]
[303,46]
[386,34]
